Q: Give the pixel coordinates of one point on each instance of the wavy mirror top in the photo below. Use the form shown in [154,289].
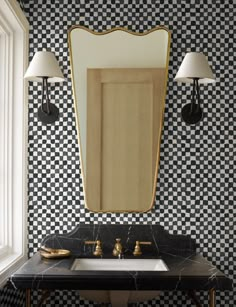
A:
[119,84]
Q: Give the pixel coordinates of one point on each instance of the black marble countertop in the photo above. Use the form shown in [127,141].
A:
[188,270]
[194,272]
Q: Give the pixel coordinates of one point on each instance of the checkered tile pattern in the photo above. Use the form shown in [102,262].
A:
[196,184]
[11,298]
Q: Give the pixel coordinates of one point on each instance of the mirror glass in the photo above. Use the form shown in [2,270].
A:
[119,85]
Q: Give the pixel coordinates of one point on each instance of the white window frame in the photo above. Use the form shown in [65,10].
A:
[14,37]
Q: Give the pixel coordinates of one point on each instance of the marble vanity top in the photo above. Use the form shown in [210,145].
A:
[186,268]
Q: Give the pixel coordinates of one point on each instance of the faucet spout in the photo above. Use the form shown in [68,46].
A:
[117,251]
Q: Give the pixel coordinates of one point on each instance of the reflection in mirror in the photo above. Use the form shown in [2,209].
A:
[119,84]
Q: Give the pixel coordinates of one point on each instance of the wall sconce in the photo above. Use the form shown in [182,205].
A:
[44,68]
[196,70]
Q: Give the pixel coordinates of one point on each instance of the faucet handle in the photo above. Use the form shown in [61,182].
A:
[98,248]
[137,249]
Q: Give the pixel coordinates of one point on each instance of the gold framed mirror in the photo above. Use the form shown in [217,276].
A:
[119,82]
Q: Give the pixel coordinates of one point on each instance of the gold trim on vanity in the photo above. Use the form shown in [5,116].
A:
[27,297]
[212,298]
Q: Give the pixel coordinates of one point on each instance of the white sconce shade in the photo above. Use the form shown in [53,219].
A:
[194,69]
[195,66]
[44,68]
[44,64]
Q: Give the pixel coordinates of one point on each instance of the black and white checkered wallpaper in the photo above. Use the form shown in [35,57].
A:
[196,184]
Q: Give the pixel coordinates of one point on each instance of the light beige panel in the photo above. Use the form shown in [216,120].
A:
[123,132]
[93,155]
[159,80]
[125,142]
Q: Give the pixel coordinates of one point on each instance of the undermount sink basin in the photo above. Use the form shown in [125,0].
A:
[118,298]
[87,264]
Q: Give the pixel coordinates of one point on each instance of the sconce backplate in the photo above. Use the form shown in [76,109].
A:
[48,118]
[191,114]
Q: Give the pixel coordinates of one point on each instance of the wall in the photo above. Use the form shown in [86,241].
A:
[195,193]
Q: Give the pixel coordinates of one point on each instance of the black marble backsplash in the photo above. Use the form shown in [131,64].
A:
[162,241]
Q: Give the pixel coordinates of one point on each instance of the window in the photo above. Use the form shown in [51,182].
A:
[13,136]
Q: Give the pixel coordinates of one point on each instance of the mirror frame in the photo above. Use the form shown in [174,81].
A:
[76,108]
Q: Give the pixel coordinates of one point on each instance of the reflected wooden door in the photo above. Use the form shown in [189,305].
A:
[124,109]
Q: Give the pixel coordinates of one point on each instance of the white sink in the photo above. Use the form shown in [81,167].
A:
[118,298]
[87,264]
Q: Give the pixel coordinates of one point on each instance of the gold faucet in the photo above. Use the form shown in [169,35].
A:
[137,249]
[98,248]
[117,251]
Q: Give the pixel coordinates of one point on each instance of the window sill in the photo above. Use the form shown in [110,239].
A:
[9,264]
